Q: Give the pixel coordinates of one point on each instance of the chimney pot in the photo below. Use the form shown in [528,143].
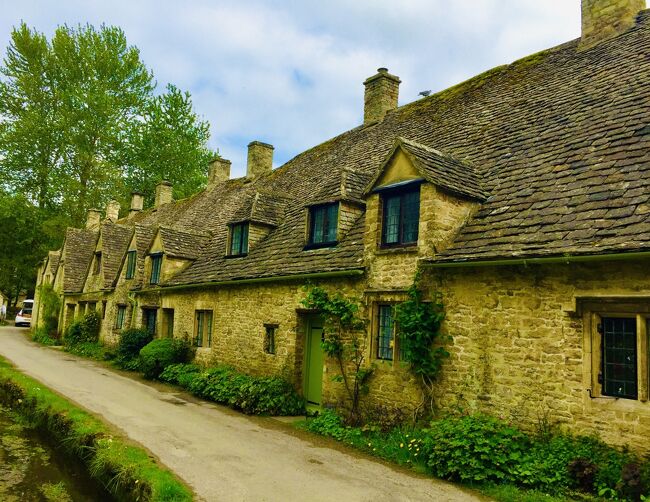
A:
[93,218]
[163,193]
[381,95]
[219,171]
[260,159]
[137,203]
[604,19]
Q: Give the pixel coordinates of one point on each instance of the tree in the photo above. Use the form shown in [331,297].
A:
[168,145]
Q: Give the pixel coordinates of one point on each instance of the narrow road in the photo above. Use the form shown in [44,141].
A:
[223,455]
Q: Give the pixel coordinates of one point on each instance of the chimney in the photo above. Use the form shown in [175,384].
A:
[604,19]
[112,210]
[260,159]
[137,203]
[163,193]
[380,97]
[93,218]
[218,171]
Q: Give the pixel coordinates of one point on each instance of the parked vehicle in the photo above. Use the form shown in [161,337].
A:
[24,315]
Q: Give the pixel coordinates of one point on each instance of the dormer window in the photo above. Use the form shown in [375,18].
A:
[98,263]
[130,264]
[156,264]
[401,216]
[323,225]
[238,239]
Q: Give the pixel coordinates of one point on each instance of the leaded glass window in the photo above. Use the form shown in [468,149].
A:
[619,357]
[121,314]
[130,264]
[238,239]
[203,328]
[269,339]
[156,263]
[149,320]
[323,224]
[401,217]
[385,333]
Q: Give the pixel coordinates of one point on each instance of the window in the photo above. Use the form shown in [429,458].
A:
[401,217]
[121,315]
[69,314]
[203,328]
[323,224]
[149,320]
[238,239]
[130,264]
[269,338]
[92,306]
[98,263]
[156,263]
[618,371]
[168,323]
[385,333]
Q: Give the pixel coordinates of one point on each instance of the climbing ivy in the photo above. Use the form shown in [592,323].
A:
[420,338]
[343,342]
[50,307]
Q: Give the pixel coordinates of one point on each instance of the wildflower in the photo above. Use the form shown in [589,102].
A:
[401,445]
[374,449]
[369,444]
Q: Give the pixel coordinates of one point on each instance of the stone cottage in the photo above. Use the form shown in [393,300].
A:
[522,196]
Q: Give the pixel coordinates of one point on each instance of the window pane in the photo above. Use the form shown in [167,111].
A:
[199,328]
[130,264]
[385,335]
[155,269]
[244,239]
[619,357]
[332,223]
[208,321]
[318,222]
[391,220]
[235,241]
[410,216]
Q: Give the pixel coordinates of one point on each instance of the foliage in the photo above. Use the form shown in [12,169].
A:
[50,304]
[40,335]
[344,343]
[252,395]
[475,449]
[91,350]
[160,353]
[128,472]
[488,452]
[128,348]
[84,330]
[420,337]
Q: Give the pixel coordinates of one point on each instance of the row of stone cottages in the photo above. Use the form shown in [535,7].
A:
[522,194]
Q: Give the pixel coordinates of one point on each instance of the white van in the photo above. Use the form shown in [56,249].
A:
[24,315]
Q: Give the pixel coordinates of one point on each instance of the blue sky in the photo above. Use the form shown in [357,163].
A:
[290,72]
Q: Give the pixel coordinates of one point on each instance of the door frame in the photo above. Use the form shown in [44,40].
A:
[310,323]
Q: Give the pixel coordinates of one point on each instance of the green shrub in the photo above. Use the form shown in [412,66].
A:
[40,335]
[180,374]
[83,330]
[475,449]
[50,305]
[132,341]
[160,353]
[252,395]
[91,350]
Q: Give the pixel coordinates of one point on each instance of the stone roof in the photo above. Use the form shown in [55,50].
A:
[53,260]
[182,244]
[260,207]
[440,169]
[78,252]
[115,242]
[559,141]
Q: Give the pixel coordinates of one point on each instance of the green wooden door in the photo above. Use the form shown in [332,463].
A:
[313,364]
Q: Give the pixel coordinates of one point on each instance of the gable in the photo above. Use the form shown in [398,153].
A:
[398,169]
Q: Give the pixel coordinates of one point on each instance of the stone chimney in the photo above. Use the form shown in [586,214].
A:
[137,203]
[112,210]
[93,218]
[163,193]
[604,19]
[260,159]
[218,171]
[382,91]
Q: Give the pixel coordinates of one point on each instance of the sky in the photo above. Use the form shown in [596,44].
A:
[291,72]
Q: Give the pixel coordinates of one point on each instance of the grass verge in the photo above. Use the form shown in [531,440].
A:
[125,470]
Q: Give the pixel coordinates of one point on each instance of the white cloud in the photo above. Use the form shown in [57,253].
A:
[290,72]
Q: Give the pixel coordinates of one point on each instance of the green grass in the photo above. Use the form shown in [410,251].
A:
[127,471]
[509,493]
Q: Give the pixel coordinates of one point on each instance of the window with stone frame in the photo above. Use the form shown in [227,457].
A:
[97,267]
[618,342]
[150,320]
[238,242]
[203,328]
[156,265]
[400,216]
[269,338]
[323,225]
[120,316]
[130,264]
[386,340]
[168,323]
